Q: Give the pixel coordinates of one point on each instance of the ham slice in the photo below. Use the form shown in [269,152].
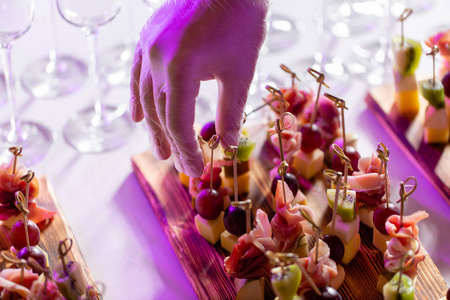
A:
[327,119]
[10,183]
[404,238]
[10,282]
[248,259]
[37,215]
[39,291]
[196,185]
[288,223]
[321,271]
[297,99]
[290,138]
[368,182]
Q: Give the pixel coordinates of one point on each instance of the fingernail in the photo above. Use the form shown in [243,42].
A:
[159,149]
[193,165]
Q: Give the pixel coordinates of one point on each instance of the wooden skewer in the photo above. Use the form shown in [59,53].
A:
[334,177]
[16,151]
[293,74]
[347,165]
[63,249]
[404,195]
[433,52]
[320,78]
[405,14]
[340,103]
[22,205]
[231,153]
[213,144]
[21,263]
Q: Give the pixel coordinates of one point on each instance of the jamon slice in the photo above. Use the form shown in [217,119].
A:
[11,183]
[10,282]
[288,224]
[405,237]
[321,271]
[37,214]
[248,259]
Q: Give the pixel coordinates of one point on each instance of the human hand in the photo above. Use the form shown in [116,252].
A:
[186,42]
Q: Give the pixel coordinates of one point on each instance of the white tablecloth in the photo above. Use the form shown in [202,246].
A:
[109,214]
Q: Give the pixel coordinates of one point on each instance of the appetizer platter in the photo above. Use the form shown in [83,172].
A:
[47,245]
[433,158]
[282,214]
[416,112]
[203,262]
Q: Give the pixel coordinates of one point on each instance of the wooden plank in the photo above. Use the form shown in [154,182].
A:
[57,230]
[434,159]
[203,262]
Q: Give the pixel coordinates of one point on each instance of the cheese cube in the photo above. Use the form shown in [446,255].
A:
[344,230]
[385,277]
[406,94]
[337,280]
[436,129]
[210,229]
[249,289]
[366,216]
[302,249]
[308,165]
[228,240]
[184,179]
[379,240]
[382,280]
[407,103]
[436,136]
[351,249]
[243,183]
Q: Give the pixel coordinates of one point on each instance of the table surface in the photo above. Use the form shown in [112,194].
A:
[109,214]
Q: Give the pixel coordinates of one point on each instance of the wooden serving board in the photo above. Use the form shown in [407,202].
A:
[203,262]
[434,159]
[56,230]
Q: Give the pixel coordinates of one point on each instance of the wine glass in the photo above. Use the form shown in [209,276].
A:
[55,74]
[282,33]
[350,17]
[15,20]
[336,73]
[98,128]
[117,61]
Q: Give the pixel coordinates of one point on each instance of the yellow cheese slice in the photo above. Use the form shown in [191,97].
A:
[309,165]
[210,229]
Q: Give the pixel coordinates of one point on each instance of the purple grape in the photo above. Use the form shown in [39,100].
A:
[311,138]
[17,234]
[336,246]
[328,293]
[209,204]
[35,253]
[290,180]
[381,214]
[235,220]
[354,157]
[446,84]
[208,130]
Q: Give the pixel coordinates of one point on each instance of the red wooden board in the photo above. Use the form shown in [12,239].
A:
[433,158]
[57,230]
[203,262]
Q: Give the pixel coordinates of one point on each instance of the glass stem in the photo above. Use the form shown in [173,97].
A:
[53,55]
[6,59]
[94,72]
[319,56]
[129,41]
